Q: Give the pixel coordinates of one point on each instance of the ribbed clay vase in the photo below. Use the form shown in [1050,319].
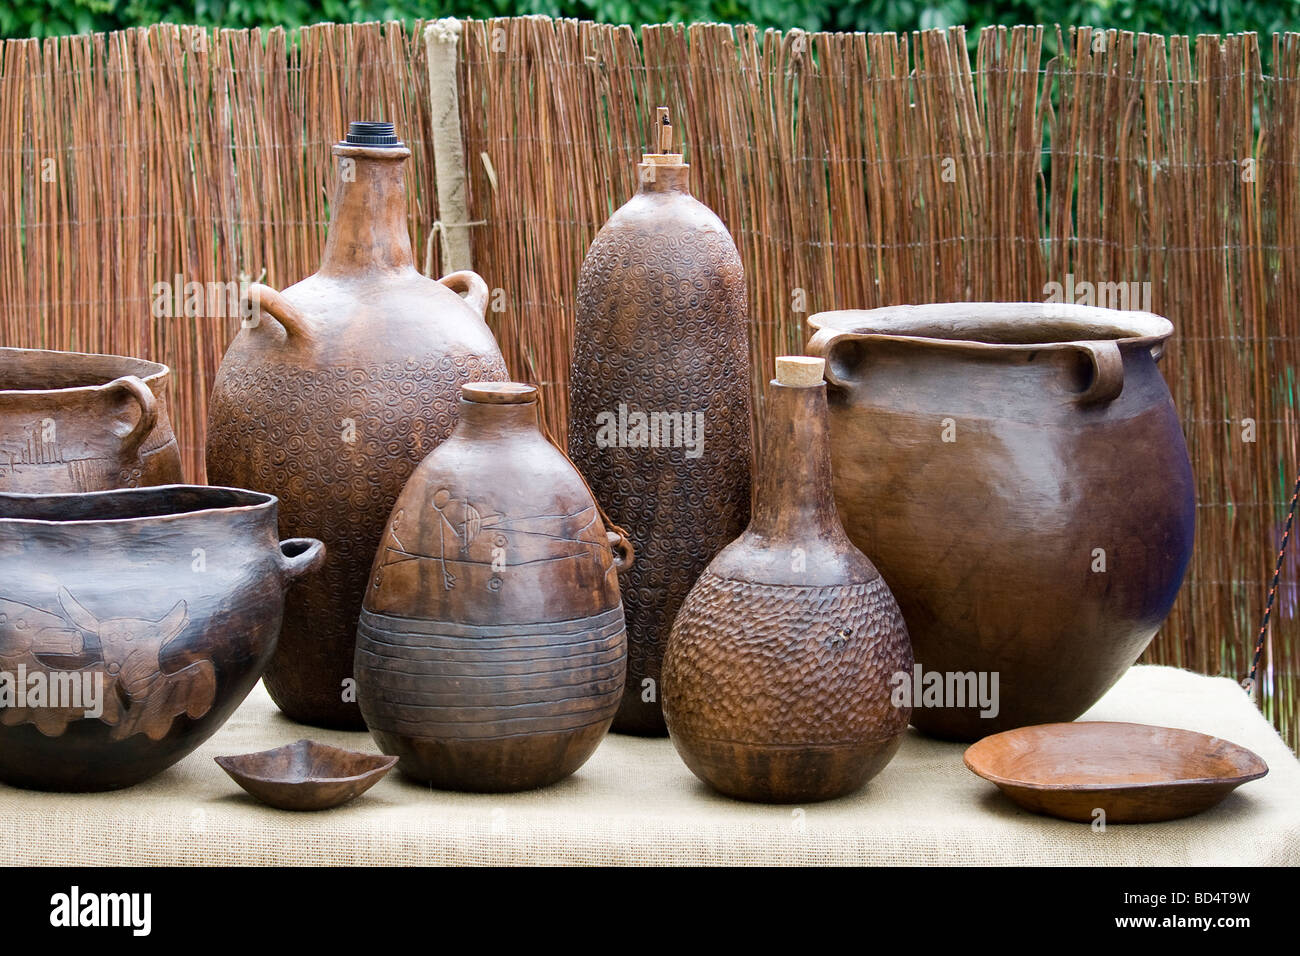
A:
[1018,474]
[659,403]
[73,422]
[780,675]
[330,397]
[491,650]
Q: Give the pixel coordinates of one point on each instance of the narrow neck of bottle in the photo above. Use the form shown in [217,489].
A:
[658,178]
[792,488]
[368,230]
[488,419]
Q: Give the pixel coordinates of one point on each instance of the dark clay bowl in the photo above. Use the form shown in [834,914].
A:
[306,775]
[1136,773]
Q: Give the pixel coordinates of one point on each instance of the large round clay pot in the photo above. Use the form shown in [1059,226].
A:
[71,421]
[659,403]
[492,650]
[332,395]
[167,600]
[780,673]
[1018,474]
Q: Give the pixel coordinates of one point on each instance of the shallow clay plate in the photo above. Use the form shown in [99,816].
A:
[306,775]
[1136,773]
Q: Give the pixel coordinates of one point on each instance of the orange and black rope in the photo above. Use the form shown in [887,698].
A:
[1249,682]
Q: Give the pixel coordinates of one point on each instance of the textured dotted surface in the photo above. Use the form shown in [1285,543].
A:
[769,664]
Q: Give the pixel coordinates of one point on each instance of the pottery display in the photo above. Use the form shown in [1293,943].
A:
[132,624]
[780,671]
[1018,474]
[1113,772]
[306,775]
[71,421]
[491,650]
[659,402]
[332,394]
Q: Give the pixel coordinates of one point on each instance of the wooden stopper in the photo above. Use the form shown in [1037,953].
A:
[802,370]
[498,393]
[662,140]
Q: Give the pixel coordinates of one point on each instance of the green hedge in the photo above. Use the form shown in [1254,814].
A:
[53,17]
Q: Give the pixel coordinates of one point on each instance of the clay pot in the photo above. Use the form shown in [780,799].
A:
[330,398]
[1018,474]
[780,671]
[659,404]
[491,650]
[71,421]
[164,603]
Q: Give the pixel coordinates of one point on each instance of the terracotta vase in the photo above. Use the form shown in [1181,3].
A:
[144,617]
[76,422]
[1018,474]
[491,650]
[332,395]
[659,403]
[779,675]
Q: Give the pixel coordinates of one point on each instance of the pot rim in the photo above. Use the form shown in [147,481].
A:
[254,501]
[152,373]
[927,323]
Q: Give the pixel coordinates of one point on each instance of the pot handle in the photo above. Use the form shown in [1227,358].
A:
[822,345]
[1107,372]
[261,298]
[144,397]
[300,555]
[624,553]
[471,286]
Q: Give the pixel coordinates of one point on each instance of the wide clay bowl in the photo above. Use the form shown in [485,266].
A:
[132,624]
[306,775]
[71,421]
[1134,773]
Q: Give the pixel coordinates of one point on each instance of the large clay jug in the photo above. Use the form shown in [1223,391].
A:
[1018,474]
[491,649]
[659,403]
[781,671]
[73,422]
[330,397]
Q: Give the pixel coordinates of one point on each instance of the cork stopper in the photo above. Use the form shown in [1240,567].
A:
[498,393]
[799,370]
[663,141]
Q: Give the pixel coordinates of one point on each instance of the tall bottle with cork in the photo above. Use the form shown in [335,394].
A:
[659,401]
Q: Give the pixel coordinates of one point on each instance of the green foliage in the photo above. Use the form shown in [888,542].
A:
[53,17]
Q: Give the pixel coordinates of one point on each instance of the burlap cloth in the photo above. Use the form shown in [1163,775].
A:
[636,803]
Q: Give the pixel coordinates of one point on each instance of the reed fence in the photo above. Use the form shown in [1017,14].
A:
[853,170]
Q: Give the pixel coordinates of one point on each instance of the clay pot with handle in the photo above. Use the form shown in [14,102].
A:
[492,649]
[71,421]
[329,397]
[1018,474]
[132,624]
[781,671]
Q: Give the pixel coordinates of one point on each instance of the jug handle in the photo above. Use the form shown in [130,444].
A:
[262,298]
[144,397]
[1107,372]
[471,286]
[621,545]
[309,558]
[822,344]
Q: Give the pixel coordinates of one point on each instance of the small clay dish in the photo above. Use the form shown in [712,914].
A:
[306,775]
[1136,773]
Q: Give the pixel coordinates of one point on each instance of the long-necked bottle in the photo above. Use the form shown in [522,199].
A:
[329,397]
[659,402]
[781,672]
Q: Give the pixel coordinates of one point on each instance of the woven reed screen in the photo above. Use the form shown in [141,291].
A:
[853,170]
